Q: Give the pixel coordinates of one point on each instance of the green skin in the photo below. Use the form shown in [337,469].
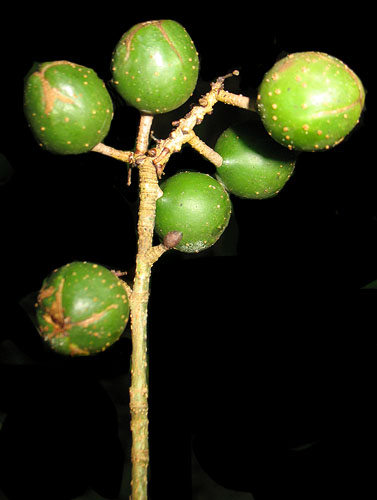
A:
[310,101]
[82,309]
[195,204]
[67,107]
[155,66]
[254,166]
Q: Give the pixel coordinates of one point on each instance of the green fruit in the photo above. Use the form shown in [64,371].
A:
[155,66]
[196,205]
[82,309]
[254,166]
[67,107]
[310,101]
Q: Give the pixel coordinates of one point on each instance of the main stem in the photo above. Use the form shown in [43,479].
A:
[148,194]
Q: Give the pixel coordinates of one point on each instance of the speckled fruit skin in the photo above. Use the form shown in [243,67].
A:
[155,66]
[67,107]
[254,166]
[310,101]
[195,204]
[82,309]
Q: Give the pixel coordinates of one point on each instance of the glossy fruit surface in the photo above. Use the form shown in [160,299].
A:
[82,308]
[310,101]
[195,204]
[254,166]
[155,66]
[67,107]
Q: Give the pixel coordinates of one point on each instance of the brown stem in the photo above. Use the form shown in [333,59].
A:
[149,192]
[143,135]
[126,156]
[205,150]
[238,100]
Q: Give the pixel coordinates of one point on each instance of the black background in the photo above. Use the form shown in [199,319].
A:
[259,345]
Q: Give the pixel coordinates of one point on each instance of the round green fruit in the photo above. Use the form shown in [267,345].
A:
[82,309]
[310,101]
[155,66]
[254,166]
[196,205]
[67,107]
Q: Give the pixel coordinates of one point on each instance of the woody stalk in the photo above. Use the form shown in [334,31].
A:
[151,163]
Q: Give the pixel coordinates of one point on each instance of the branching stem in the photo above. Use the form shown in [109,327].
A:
[151,164]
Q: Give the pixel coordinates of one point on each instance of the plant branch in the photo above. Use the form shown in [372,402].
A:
[170,241]
[149,192]
[142,141]
[126,156]
[151,164]
[181,134]
[238,100]
[205,150]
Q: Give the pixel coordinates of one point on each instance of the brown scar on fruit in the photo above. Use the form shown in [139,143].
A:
[61,329]
[336,111]
[128,39]
[76,350]
[93,318]
[50,94]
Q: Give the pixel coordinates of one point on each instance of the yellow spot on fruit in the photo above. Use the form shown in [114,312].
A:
[305,127]
[274,106]
[275,118]
[277,91]
[319,132]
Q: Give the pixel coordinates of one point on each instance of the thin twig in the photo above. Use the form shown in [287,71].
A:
[238,100]
[205,150]
[126,156]
[142,141]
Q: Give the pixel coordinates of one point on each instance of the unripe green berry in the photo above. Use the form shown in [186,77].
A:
[82,309]
[155,66]
[67,107]
[254,166]
[196,205]
[310,101]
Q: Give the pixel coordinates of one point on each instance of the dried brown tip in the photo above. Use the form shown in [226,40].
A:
[172,239]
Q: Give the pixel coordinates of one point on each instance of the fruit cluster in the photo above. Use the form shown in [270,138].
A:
[308,101]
